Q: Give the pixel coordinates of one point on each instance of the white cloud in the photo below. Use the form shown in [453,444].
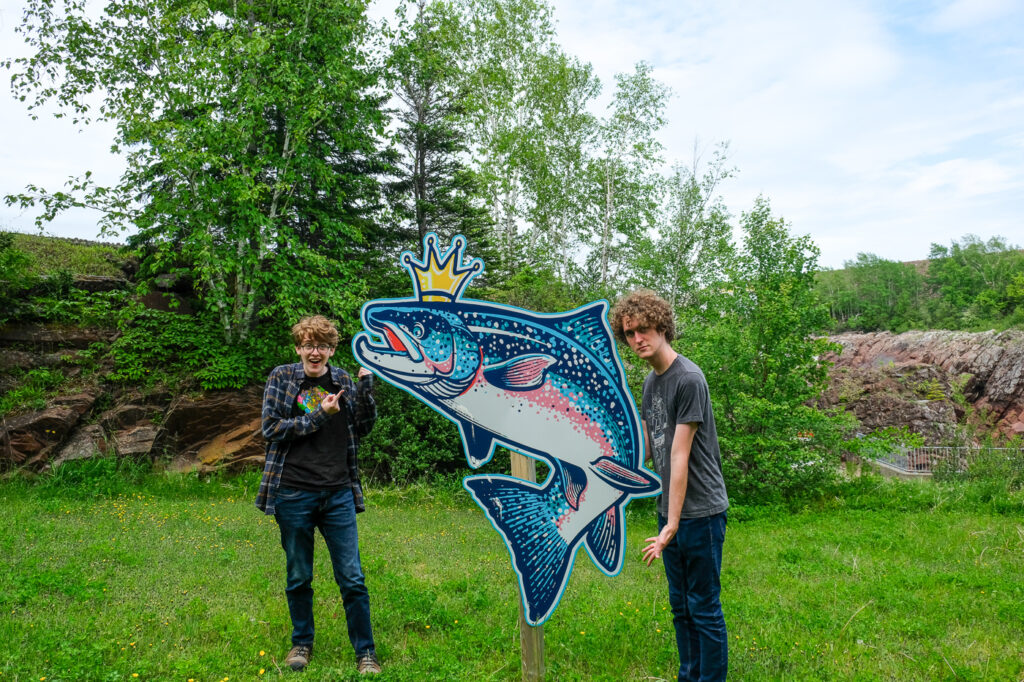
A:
[873,126]
[963,14]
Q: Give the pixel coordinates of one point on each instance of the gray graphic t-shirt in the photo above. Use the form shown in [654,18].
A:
[680,396]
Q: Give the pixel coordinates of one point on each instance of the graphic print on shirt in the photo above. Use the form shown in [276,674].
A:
[658,426]
[310,398]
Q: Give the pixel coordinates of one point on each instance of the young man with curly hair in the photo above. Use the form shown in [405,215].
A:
[679,434]
[313,418]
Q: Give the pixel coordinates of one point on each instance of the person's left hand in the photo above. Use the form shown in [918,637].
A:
[658,543]
[363,372]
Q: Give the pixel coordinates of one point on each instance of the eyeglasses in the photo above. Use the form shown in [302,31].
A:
[308,347]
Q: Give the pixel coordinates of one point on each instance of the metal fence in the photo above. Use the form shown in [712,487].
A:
[924,460]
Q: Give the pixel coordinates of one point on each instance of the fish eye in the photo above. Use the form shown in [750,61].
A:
[418,331]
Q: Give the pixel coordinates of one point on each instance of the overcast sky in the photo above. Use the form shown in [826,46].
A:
[874,126]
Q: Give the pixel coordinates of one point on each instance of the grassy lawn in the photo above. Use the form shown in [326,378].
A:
[51,254]
[182,580]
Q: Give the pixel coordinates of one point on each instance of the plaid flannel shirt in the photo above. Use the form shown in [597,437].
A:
[280,428]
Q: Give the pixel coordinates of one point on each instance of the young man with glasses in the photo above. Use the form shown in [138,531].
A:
[313,418]
[680,436]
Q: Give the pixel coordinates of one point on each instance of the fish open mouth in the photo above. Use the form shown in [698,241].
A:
[397,341]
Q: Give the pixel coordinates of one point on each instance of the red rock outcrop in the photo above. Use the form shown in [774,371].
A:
[925,380]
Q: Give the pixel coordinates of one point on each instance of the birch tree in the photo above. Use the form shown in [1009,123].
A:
[250,134]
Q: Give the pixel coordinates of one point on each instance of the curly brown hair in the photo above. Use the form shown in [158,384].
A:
[317,329]
[648,310]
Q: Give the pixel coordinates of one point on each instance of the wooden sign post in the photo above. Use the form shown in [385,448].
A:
[531,639]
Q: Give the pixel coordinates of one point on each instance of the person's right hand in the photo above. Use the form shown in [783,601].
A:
[331,404]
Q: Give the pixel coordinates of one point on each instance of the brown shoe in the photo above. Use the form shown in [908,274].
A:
[298,657]
[368,664]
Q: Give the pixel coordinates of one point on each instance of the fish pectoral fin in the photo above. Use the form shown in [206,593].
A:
[574,480]
[618,476]
[523,373]
[478,443]
[605,540]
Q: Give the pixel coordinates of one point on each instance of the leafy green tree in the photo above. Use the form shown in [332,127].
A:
[872,294]
[686,259]
[626,184]
[437,190]
[974,282]
[530,129]
[555,179]
[250,132]
[762,361]
[506,40]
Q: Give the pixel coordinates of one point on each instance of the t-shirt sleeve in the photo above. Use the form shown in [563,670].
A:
[691,397]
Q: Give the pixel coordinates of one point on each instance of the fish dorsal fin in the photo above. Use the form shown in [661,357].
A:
[618,476]
[588,326]
[604,539]
[523,373]
[574,480]
[478,442]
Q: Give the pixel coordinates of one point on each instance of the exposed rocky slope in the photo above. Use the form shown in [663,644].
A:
[928,380]
[205,431]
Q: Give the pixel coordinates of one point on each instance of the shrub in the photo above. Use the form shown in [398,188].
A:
[409,441]
[31,392]
[15,277]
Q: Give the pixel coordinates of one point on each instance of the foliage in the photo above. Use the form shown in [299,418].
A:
[993,470]
[31,391]
[974,281]
[409,440]
[627,188]
[872,293]
[249,135]
[157,346]
[54,254]
[436,190]
[687,258]
[971,285]
[15,276]
[759,348]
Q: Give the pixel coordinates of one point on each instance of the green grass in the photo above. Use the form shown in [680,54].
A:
[170,578]
[53,254]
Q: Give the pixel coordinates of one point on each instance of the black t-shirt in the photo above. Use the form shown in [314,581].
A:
[318,461]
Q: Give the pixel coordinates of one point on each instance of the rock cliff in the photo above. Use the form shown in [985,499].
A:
[928,380]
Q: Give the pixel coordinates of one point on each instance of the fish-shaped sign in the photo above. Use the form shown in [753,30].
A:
[550,386]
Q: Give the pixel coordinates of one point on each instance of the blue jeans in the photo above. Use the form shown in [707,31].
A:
[693,565]
[334,513]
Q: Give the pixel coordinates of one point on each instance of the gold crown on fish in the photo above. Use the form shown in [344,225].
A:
[441,277]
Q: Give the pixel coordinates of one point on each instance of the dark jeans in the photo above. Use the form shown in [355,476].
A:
[693,565]
[333,512]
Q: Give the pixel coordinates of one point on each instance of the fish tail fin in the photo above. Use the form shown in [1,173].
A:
[525,517]
[605,540]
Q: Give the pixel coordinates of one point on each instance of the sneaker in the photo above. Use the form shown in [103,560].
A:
[368,664]
[298,657]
